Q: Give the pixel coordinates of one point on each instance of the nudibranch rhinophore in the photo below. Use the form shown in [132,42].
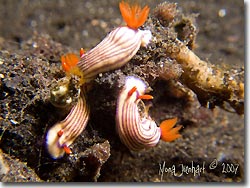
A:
[116,49]
[135,127]
[61,135]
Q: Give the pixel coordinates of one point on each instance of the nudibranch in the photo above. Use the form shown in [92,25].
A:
[135,127]
[116,49]
[62,134]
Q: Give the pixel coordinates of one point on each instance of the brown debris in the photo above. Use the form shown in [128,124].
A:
[13,170]
[165,12]
[94,158]
[210,80]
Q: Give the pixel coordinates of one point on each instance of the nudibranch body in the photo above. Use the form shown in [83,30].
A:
[62,134]
[135,127]
[117,48]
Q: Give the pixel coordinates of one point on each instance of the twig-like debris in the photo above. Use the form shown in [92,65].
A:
[209,80]
[213,85]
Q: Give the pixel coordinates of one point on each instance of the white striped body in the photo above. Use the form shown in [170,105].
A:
[135,128]
[71,127]
[116,49]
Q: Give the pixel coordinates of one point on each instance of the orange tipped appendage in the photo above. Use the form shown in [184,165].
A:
[67,150]
[131,91]
[60,133]
[133,15]
[69,61]
[82,52]
[146,97]
[168,133]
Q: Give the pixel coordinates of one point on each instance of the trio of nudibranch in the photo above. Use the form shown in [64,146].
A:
[136,130]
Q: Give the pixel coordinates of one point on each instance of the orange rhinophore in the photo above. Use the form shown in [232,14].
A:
[69,61]
[82,52]
[60,133]
[131,91]
[67,150]
[168,133]
[146,97]
[133,15]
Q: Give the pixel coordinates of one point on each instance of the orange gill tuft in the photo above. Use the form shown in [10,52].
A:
[69,61]
[133,15]
[168,133]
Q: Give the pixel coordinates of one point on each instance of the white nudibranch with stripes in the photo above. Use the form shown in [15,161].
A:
[116,49]
[113,52]
[135,127]
[61,135]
